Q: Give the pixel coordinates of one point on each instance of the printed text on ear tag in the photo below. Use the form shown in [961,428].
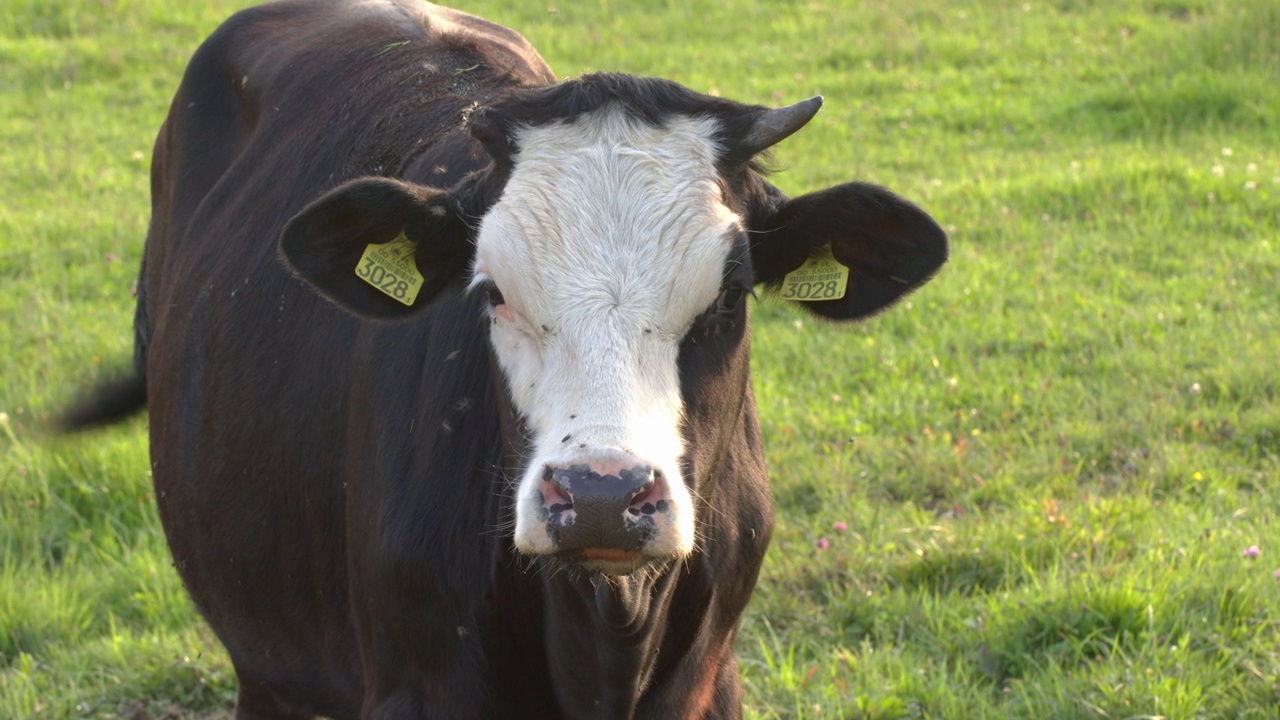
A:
[390,268]
[821,277]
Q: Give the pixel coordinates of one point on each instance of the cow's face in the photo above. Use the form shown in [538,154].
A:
[610,242]
[614,264]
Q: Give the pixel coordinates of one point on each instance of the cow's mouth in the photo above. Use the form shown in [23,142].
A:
[609,561]
[611,555]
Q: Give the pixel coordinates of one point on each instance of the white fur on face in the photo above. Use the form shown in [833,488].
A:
[610,238]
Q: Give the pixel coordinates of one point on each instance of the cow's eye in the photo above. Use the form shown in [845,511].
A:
[723,315]
[492,293]
[730,298]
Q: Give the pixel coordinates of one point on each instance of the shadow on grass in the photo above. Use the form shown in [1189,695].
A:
[955,573]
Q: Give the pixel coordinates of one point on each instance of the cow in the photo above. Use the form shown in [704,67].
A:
[447,364]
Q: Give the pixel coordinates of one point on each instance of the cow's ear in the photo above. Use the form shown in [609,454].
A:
[379,247]
[889,245]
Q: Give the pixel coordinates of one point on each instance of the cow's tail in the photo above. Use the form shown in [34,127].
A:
[111,401]
[107,403]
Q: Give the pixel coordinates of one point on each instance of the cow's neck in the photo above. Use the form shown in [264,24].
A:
[602,639]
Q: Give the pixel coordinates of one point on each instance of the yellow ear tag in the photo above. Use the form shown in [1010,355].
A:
[821,277]
[390,268]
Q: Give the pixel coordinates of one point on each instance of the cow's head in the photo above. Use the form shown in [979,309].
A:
[614,239]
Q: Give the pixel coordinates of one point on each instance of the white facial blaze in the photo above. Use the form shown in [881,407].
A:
[609,240]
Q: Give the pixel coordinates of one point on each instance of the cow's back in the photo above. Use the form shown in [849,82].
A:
[249,372]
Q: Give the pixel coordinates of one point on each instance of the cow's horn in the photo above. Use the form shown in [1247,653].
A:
[774,126]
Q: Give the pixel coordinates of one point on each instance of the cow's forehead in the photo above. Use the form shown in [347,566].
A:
[612,213]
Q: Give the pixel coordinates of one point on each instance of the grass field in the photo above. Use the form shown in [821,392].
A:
[1049,466]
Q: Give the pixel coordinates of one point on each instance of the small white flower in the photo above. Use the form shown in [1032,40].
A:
[1227,152]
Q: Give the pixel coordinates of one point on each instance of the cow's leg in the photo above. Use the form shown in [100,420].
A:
[254,702]
[726,703]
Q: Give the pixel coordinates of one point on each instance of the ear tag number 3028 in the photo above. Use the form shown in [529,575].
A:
[821,277]
[390,268]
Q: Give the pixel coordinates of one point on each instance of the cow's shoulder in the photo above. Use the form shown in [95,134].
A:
[323,91]
[499,45]
[300,39]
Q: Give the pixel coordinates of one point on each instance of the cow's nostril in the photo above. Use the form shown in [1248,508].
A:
[556,497]
[647,503]
[643,495]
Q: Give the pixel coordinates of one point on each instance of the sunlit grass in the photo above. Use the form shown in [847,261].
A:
[1049,462]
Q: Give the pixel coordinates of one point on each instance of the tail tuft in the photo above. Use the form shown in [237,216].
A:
[107,403]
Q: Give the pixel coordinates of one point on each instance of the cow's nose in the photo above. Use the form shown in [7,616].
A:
[603,505]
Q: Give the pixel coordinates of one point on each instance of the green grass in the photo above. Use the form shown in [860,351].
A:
[1049,461]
